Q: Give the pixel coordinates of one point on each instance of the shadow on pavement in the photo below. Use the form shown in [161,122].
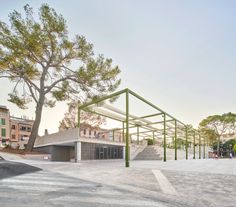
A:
[10,169]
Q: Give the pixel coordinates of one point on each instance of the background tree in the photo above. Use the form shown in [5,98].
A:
[234,148]
[220,125]
[70,119]
[209,134]
[47,66]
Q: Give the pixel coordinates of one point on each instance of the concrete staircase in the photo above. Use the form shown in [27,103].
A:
[149,153]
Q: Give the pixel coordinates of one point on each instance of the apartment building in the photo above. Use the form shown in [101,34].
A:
[20,131]
[4,125]
[14,130]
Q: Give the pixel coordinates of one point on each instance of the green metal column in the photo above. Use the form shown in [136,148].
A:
[78,119]
[175,140]
[123,132]
[137,134]
[164,133]
[76,146]
[204,149]
[153,137]
[199,146]
[186,142]
[113,135]
[127,130]
[194,141]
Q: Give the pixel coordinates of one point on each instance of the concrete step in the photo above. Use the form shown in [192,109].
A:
[149,153]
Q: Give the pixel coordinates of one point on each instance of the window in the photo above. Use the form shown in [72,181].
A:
[23,128]
[13,136]
[13,126]
[90,132]
[95,133]
[2,121]
[28,129]
[84,131]
[3,132]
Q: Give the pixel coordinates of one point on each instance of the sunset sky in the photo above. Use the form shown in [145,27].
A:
[180,55]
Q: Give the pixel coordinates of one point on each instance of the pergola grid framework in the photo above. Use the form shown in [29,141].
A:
[169,127]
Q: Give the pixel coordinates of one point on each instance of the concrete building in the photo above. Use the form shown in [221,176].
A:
[20,131]
[13,130]
[85,144]
[4,125]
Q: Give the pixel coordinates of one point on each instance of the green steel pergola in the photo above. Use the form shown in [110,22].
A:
[167,126]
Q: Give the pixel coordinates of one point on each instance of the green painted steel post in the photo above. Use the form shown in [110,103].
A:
[186,142]
[153,137]
[204,153]
[78,126]
[138,134]
[175,139]
[164,133]
[123,131]
[78,119]
[194,142]
[199,146]
[127,130]
[113,135]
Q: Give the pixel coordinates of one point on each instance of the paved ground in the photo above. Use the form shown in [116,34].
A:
[11,169]
[107,183]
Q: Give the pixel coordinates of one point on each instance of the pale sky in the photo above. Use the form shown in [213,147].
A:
[180,55]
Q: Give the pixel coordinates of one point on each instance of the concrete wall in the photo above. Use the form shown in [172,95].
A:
[66,136]
[58,153]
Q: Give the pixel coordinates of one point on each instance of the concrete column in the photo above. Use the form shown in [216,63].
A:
[77,151]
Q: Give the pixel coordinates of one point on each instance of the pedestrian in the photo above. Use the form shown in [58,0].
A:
[230,155]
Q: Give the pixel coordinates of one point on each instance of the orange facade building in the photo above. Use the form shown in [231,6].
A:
[13,130]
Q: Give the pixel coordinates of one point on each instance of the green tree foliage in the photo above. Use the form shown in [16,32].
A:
[209,134]
[226,147]
[150,141]
[234,148]
[219,125]
[47,66]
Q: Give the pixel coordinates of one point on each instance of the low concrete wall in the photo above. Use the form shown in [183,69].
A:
[45,157]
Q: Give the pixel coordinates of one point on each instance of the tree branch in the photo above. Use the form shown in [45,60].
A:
[49,88]
[31,91]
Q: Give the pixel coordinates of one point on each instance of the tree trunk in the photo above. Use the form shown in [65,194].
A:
[35,128]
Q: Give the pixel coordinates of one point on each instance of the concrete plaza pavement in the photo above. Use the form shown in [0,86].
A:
[108,183]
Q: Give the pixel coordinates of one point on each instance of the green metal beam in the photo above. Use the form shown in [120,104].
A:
[103,99]
[147,116]
[145,125]
[164,133]
[175,140]
[152,105]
